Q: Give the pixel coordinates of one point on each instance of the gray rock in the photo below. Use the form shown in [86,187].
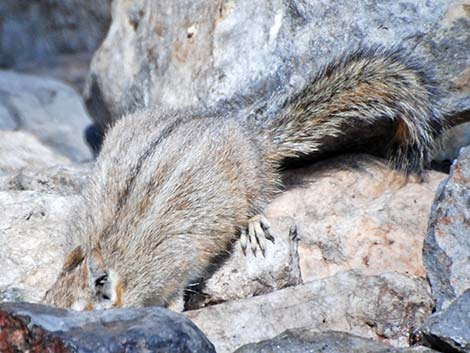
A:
[308,340]
[447,247]
[33,242]
[246,276]
[42,328]
[61,180]
[449,330]
[69,68]
[21,150]
[350,212]
[157,55]
[452,141]
[38,190]
[37,31]
[48,109]
[446,46]
[386,307]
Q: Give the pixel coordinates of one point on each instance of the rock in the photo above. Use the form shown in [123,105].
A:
[246,276]
[350,212]
[449,330]
[386,307]
[446,247]
[243,51]
[27,327]
[38,189]
[60,180]
[47,108]
[354,212]
[69,68]
[33,242]
[445,46]
[452,141]
[19,150]
[38,31]
[308,340]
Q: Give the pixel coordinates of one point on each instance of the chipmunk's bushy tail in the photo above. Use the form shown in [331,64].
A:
[357,97]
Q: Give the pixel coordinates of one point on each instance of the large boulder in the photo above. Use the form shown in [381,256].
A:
[449,330]
[21,150]
[351,212]
[308,340]
[355,212]
[38,328]
[62,180]
[33,242]
[447,247]
[38,31]
[198,53]
[36,207]
[388,307]
[48,109]
[452,141]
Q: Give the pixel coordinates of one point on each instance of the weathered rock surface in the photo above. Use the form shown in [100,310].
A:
[60,180]
[447,244]
[33,242]
[308,340]
[354,212]
[351,212]
[452,141]
[155,54]
[19,150]
[33,328]
[36,196]
[38,31]
[386,307]
[449,330]
[246,276]
[47,108]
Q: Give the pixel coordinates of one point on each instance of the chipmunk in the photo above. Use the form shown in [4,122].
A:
[171,190]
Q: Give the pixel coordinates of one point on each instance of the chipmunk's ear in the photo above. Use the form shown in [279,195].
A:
[99,277]
[73,259]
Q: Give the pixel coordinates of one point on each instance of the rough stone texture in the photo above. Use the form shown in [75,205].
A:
[33,328]
[49,109]
[447,244]
[387,307]
[452,141]
[245,276]
[35,205]
[37,31]
[32,242]
[308,340]
[19,150]
[354,212]
[449,330]
[61,180]
[447,46]
[196,53]
[351,212]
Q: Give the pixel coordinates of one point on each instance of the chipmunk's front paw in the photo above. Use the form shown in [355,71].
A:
[176,304]
[259,230]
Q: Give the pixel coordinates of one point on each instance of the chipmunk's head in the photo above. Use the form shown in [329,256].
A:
[85,283]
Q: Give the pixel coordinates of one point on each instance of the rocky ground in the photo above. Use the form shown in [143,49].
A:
[365,259]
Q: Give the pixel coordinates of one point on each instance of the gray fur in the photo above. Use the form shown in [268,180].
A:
[170,191]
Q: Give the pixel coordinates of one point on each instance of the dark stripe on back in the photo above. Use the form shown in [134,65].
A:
[122,198]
